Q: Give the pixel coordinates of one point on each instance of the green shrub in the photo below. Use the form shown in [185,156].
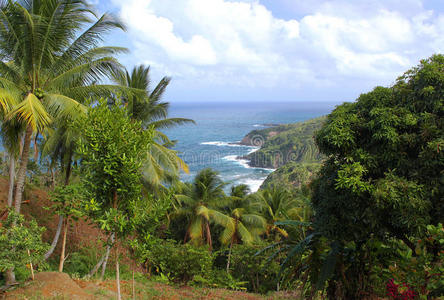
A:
[180,263]
[80,263]
[20,244]
[253,269]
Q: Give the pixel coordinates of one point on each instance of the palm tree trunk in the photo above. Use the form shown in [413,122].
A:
[36,149]
[229,254]
[55,240]
[21,174]
[11,179]
[208,234]
[62,254]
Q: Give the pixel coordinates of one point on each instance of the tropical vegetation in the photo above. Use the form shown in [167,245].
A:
[355,212]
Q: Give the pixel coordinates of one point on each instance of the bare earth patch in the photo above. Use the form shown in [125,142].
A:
[54,285]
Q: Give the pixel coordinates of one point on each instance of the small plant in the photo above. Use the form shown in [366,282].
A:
[400,291]
[20,243]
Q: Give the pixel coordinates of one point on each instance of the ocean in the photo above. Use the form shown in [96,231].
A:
[209,143]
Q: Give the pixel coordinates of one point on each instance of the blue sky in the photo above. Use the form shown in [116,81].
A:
[276,50]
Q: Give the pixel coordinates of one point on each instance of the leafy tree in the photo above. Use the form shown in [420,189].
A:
[201,204]
[163,165]
[383,177]
[67,201]
[20,244]
[113,149]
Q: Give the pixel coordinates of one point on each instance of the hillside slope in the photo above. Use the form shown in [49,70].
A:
[283,144]
[291,175]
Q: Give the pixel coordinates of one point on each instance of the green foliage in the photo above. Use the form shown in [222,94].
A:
[113,149]
[180,263]
[421,270]
[284,144]
[292,175]
[67,200]
[79,263]
[383,176]
[201,204]
[20,243]
[259,274]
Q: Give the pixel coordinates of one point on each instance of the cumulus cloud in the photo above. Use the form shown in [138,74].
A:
[229,43]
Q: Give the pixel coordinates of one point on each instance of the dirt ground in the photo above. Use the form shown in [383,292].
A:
[54,285]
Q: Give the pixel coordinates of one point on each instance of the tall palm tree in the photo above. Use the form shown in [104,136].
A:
[201,204]
[246,224]
[163,164]
[47,66]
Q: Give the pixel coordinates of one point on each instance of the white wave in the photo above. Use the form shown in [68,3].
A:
[258,125]
[254,184]
[225,144]
[253,150]
[244,162]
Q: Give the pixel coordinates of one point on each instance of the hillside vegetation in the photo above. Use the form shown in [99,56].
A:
[292,175]
[284,143]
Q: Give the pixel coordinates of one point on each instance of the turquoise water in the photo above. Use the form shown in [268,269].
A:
[207,144]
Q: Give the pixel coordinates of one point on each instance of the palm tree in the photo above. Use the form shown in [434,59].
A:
[11,132]
[276,204]
[201,204]
[246,224]
[46,65]
[163,164]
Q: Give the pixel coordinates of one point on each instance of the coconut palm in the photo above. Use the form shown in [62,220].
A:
[201,203]
[163,164]
[47,66]
[245,225]
[276,204]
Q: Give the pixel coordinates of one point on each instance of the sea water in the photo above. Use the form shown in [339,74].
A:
[211,143]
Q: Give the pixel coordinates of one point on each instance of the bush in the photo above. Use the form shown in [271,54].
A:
[180,263]
[421,272]
[260,276]
[80,263]
[20,244]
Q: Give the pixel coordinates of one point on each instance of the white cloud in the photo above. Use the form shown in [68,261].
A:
[236,43]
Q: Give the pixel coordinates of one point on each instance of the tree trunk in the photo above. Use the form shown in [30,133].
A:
[21,174]
[53,181]
[11,179]
[36,149]
[134,286]
[55,239]
[118,274]
[229,254]
[10,277]
[62,254]
[208,233]
[105,262]
[96,267]
[68,170]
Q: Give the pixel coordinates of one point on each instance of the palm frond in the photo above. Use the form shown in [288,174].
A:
[62,106]
[31,112]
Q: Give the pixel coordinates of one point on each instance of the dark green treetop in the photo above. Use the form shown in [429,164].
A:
[385,169]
